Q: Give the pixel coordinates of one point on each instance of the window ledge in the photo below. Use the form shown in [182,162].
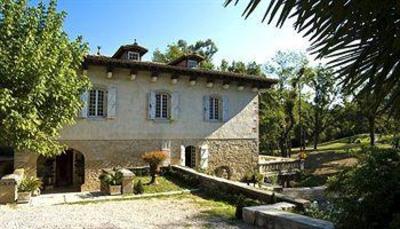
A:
[97,118]
[160,120]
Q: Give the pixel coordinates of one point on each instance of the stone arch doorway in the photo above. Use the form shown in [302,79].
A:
[63,173]
[190,156]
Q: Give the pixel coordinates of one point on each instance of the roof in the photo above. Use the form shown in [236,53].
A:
[109,62]
[133,47]
[191,56]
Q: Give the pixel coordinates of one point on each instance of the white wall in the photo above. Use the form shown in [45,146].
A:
[131,121]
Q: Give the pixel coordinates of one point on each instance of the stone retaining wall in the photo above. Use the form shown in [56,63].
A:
[309,193]
[234,187]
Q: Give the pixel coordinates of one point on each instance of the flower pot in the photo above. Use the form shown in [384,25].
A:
[24,197]
[114,190]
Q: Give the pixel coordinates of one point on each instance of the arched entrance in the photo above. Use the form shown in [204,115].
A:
[190,156]
[65,172]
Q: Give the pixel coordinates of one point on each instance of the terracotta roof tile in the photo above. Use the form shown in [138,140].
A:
[259,81]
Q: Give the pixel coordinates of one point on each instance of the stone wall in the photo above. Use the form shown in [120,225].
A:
[233,187]
[309,193]
[239,155]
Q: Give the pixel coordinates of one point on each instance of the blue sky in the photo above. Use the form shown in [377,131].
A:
[156,23]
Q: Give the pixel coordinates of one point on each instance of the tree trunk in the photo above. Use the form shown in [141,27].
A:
[282,147]
[371,122]
[154,170]
[153,179]
[316,129]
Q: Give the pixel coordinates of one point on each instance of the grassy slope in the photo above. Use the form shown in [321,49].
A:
[334,156]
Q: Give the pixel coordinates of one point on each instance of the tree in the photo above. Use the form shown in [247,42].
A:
[206,48]
[361,39]
[323,85]
[154,159]
[279,106]
[40,86]
[251,68]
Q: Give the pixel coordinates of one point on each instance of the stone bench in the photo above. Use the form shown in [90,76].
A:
[275,216]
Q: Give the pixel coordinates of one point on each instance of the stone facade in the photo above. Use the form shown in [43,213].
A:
[120,139]
[240,155]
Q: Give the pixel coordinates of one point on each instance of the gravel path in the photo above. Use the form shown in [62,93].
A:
[144,213]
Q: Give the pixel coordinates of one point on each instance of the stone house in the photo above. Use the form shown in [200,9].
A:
[202,118]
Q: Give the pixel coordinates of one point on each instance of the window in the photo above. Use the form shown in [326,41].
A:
[97,102]
[163,101]
[214,109]
[133,56]
[192,64]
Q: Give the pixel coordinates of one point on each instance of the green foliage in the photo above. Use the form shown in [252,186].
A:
[278,108]
[253,177]
[206,48]
[396,142]
[368,196]
[113,177]
[251,68]
[138,187]
[310,180]
[40,87]
[273,179]
[361,52]
[29,184]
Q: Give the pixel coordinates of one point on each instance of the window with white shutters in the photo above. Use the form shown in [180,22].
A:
[163,105]
[97,103]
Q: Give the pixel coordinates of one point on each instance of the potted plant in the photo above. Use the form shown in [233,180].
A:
[27,186]
[112,180]
[154,160]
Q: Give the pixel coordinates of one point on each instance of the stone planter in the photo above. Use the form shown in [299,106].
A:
[114,190]
[24,197]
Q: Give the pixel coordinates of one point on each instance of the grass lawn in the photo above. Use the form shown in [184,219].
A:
[334,156]
[164,184]
[211,207]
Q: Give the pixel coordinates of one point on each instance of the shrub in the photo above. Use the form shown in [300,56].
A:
[29,184]
[396,142]
[368,195]
[112,178]
[138,187]
[253,177]
[154,160]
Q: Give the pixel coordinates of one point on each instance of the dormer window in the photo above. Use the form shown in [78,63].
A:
[192,64]
[133,56]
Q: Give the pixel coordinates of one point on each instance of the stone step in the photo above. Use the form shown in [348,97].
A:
[277,216]
[249,213]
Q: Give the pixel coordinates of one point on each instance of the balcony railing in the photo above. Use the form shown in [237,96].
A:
[269,164]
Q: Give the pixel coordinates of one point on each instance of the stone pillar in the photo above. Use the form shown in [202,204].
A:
[9,188]
[127,181]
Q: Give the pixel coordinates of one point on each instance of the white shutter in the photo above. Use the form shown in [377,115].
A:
[151,105]
[183,152]
[85,101]
[204,157]
[111,102]
[225,108]
[175,108]
[206,107]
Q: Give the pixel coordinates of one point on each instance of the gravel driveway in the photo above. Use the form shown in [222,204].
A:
[143,213]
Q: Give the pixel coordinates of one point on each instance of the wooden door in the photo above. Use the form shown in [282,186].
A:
[64,169]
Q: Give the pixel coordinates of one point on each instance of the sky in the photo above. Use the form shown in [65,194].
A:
[157,23]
